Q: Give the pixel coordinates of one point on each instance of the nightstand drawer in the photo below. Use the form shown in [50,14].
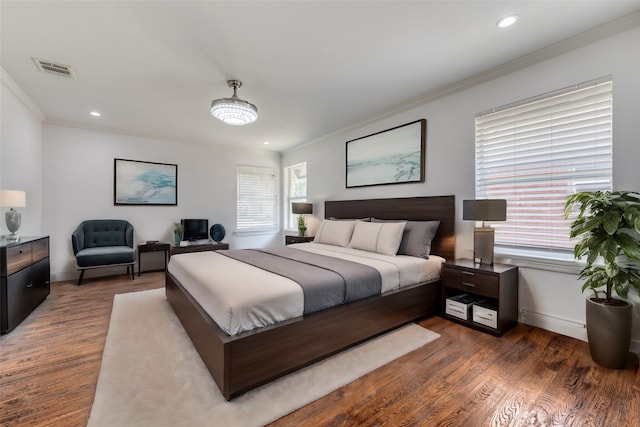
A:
[476,282]
[485,316]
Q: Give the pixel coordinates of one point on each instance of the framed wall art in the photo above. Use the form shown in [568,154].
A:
[393,156]
[137,182]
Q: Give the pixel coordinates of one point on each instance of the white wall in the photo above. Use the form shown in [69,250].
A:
[21,154]
[552,300]
[78,185]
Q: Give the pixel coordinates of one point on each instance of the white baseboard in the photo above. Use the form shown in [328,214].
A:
[568,327]
[553,323]
[61,276]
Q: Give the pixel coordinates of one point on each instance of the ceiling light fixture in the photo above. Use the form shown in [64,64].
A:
[95,114]
[234,111]
[507,21]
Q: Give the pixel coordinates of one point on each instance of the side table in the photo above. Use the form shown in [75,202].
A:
[490,301]
[290,238]
[154,247]
[199,248]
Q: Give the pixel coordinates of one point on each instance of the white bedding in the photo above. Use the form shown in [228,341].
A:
[240,297]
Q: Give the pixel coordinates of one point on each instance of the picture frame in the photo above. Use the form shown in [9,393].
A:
[136,182]
[392,156]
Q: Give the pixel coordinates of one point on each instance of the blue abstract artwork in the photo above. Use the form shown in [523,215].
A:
[393,156]
[145,183]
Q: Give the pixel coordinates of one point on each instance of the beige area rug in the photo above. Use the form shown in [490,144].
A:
[151,375]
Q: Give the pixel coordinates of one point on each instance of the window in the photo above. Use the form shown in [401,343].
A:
[296,189]
[257,210]
[537,152]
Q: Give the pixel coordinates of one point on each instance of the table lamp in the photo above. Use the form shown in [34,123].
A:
[13,199]
[302,209]
[483,237]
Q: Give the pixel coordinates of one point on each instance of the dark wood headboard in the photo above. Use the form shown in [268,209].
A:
[435,208]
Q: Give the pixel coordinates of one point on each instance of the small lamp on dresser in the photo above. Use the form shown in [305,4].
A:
[13,199]
[483,237]
[302,209]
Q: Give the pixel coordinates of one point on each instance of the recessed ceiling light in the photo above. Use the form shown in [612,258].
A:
[507,21]
[95,114]
[266,143]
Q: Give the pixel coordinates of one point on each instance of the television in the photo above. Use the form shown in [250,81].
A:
[195,229]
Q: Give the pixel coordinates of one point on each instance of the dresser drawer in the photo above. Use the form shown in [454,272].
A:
[39,250]
[471,281]
[19,288]
[18,257]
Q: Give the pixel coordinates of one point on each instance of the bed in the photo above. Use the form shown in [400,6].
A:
[243,361]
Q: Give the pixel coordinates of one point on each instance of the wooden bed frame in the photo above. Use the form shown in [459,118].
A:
[242,362]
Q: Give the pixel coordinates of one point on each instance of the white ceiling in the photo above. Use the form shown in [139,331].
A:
[311,67]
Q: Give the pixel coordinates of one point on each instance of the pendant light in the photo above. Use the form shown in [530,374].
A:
[234,111]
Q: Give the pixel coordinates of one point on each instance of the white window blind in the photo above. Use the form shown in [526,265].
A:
[296,188]
[257,209]
[537,152]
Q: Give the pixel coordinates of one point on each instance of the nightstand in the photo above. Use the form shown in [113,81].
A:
[154,247]
[481,296]
[289,239]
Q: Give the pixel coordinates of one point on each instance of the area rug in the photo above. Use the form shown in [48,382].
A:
[151,375]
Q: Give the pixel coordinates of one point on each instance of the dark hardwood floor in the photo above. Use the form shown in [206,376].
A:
[530,377]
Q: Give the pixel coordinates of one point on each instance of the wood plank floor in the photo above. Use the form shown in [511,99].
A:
[530,377]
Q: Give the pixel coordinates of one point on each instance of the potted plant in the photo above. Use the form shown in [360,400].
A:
[608,225]
[178,230]
[302,225]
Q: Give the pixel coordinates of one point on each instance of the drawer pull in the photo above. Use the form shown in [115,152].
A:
[30,285]
[468,285]
[468,273]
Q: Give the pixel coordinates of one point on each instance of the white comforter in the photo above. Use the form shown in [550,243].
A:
[240,297]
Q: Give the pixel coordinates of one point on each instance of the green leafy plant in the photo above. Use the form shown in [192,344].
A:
[301,222]
[608,225]
[178,229]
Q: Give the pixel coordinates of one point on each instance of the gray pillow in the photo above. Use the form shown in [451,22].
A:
[417,236]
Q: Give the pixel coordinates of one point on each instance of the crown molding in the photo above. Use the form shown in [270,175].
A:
[588,37]
[20,94]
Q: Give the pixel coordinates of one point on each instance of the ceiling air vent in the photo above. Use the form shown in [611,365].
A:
[53,68]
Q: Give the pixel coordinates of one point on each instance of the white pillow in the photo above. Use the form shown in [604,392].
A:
[337,233]
[383,238]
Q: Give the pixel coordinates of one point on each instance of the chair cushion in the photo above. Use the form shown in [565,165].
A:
[99,233]
[106,255]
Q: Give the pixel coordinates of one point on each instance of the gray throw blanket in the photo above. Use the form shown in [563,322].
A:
[325,281]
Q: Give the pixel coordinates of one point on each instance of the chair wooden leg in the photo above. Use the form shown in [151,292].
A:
[80,278]
[132,275]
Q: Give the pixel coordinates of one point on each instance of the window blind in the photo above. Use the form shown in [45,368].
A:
[257,200]
[536,153]
[296,190]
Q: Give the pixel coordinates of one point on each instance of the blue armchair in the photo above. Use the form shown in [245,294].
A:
[103,243]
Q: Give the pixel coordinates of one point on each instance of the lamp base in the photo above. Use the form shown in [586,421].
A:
[13,237]
[483,240]
[13,219]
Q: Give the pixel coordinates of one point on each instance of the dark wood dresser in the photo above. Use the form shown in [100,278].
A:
[24,279]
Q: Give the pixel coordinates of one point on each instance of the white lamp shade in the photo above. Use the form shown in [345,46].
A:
[13,199]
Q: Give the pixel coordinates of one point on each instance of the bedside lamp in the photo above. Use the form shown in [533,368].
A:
[302,209]
[483,237]
[13,199]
